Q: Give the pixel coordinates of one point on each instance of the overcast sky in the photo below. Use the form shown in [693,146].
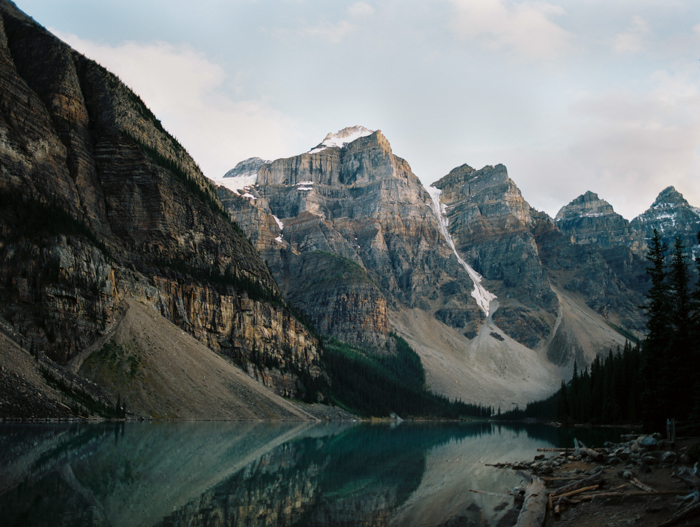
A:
[571,96]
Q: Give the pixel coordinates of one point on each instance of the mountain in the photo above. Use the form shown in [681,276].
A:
[348,233]
[244,174]
[359,246]
[492,227]
[100,209]
[671,215]
[592,221]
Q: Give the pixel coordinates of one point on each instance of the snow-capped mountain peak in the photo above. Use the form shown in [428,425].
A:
[244,174]
[342,138]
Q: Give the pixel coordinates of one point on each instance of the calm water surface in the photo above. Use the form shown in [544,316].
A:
[266,474]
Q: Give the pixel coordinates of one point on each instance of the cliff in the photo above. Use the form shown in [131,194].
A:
[99,204]
[349,235]
[494,228]
[671,215]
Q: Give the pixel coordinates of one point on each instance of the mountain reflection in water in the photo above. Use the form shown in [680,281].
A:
[262,474]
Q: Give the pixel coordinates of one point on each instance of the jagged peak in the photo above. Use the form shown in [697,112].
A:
[252,164]
[458,174]
[586,205]
[244,174]
[342,138]
[669,197]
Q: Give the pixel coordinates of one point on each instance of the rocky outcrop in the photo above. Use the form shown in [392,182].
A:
[494,228]
[601,258]
[671,215]
[99,203]
[247,168]
[589,220]
[348,231]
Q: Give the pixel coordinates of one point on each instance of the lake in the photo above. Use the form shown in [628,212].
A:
[266,474]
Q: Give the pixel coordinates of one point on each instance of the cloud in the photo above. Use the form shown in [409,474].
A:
[186,91]
[333,33]
[627,146]
[632,40]
[524,29]
[360,10]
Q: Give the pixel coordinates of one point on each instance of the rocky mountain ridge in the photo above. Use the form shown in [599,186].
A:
[99,204]
[474,259]
[560,287]
[671,215]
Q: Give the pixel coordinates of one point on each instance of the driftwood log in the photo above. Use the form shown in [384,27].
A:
[642,486]
[595,479]
[690,504]
[535,505]
[580,448]
[689,512]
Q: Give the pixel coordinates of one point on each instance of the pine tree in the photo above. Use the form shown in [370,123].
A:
[655,398]
[563,414]
[695,349]
[679,376]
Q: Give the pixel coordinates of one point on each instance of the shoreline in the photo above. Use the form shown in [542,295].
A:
[635,482]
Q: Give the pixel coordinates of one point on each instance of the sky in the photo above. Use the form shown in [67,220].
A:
[572,96]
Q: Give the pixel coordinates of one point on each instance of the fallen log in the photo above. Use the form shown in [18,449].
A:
[595,479]
[535,505]
[580,448]
[617,494]
[642,486]
[578,491]
[681,515]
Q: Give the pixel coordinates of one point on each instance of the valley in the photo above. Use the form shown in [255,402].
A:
[128,279]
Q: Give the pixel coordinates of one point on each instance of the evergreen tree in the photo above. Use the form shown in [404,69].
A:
[679,377]
[655,398]
[563,404]
[695,348]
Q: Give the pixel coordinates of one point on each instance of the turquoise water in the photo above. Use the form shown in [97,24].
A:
[266,474]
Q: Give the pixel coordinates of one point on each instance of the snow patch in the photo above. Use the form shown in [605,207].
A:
[481,295]
[279,223]
[592,215]
[279,239]
[342,138]
[237,183]
[249,195]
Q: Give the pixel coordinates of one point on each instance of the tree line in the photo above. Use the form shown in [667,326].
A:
[610,393]
[375,384]
[670,362]
[644,383]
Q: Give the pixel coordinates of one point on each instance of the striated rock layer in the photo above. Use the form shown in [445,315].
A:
[590,220]
[494,229]
[348,232]
[671,215]
[359,246]
[98,203]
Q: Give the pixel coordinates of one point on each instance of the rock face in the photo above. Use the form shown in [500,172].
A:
[670,215]
[590,220]
[362,249]
[604,261]
[349,234]
[246,168]
[99,203]
[494,229]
